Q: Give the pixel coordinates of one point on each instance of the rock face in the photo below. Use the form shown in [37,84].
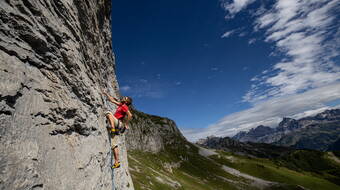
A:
[55,57]
[287,125]
[151,133]
[318,132]
[253,134]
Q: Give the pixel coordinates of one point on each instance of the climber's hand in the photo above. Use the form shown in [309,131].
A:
[126,126]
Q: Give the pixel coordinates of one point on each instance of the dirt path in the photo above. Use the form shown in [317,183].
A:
[260,183]
[205,152]
[257,182]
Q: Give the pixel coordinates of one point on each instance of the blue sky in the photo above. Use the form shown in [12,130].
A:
[218,67]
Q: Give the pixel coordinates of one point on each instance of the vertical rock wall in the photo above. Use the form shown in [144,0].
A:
[152,133]
[55,57]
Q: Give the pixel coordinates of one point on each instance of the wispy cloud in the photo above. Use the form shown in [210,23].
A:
[251,41]
[306,35]
[235,6]
[270,112]
[305,32]
[228,34]
[125,88]
[242,34]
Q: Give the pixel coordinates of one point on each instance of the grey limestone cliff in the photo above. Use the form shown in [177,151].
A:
[151,133]
[55,57]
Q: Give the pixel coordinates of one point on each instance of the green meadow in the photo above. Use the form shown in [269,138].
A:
[185,168]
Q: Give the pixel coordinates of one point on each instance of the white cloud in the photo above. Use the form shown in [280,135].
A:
[251,41]
[235,6]
[242,34]
[306,36]
[143,80]
[178,83]
[228,33]
[305,32]
[313,112]
[270,112]
[125,88]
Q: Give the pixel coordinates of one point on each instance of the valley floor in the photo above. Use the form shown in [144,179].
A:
[195,168]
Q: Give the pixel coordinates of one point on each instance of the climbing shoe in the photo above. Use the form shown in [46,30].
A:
[116,165]
[114,131]
[123,130]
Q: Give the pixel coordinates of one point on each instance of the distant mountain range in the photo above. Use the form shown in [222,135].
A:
[319,132]
[260,150]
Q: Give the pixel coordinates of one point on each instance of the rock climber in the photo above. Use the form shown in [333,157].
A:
[116,121]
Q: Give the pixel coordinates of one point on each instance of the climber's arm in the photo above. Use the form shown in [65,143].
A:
[112,99]
[129,117]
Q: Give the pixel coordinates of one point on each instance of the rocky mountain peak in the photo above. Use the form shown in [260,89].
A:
[152,133]
[288,124]
[313,132]
[329,115]
[256,132]
[240,135]
[261,130]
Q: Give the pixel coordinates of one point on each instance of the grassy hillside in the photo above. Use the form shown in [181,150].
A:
[177,169]
[194,168]
[294,171]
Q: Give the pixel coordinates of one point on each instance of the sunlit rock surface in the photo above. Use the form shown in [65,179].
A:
[55,57]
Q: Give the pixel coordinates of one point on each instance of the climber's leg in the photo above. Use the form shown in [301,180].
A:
[115,150]
[116,155]
[110,118]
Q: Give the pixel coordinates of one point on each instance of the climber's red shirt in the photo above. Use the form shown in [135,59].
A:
[121,111]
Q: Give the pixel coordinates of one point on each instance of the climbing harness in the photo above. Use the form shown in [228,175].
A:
[118,129]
